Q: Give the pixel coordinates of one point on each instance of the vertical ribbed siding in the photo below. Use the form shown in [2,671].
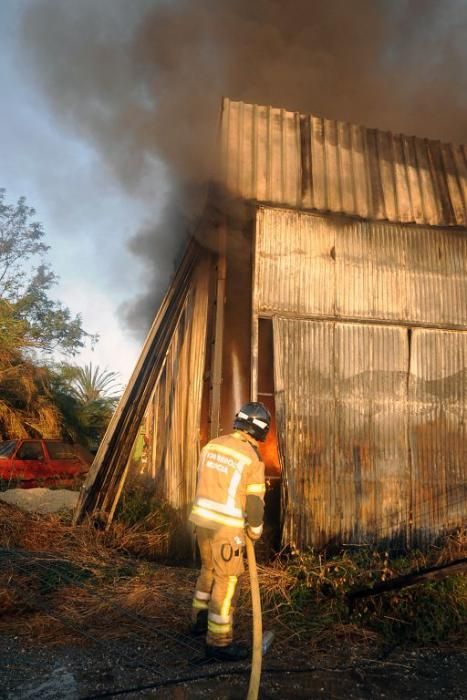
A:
[269,141]
[177,402]
[437,431]
[294,270]
[372,471]
[272,155]
[305,418]
[342,413]
[371,418]
[313,265]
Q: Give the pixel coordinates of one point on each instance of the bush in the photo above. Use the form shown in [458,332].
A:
[310,593]
[148,527]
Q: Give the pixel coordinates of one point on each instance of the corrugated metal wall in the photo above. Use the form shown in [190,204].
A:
[312,265]
[176,402]
[341,399]
[371,417]
[437,429]
[272,155]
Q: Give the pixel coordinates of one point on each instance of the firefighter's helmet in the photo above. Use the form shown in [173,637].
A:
[255,419]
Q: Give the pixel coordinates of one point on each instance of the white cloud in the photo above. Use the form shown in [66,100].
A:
[116,350]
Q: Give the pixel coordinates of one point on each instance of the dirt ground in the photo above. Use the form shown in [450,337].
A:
[29,672]
[122,669]
[80,619]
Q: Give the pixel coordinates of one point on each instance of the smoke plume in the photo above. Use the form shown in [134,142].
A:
[143,80]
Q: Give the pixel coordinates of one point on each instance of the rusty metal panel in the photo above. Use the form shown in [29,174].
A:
[372,431]
[311,265]
[342,419]
[265,144]
[369,272]
[372,469]
[404,205]
[438,433]
[294,270]
[305,410]
[346,167]
[384,143]
[436,274]
[359,177]
[177,402]
[282,157]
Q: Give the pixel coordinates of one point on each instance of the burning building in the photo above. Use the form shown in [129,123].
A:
[328,279]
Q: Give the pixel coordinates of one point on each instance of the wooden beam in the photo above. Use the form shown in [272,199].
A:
[254,324]
[433,573]
[218,346]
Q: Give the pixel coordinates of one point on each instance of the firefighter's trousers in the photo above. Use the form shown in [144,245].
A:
[216,587]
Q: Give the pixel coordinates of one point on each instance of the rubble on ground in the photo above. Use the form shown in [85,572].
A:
[41,500]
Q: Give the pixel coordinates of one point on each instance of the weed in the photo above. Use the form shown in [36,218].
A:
[310,595]
[148,527]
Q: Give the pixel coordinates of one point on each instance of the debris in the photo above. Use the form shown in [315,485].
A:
[41,500]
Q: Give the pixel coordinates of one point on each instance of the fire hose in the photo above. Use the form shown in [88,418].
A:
[257,653]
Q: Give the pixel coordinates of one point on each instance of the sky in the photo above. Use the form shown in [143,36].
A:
[110,111]
[87,216]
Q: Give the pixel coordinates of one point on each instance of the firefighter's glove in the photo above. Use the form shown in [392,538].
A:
[254,533]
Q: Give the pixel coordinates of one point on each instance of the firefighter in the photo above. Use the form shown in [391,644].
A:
[229,503]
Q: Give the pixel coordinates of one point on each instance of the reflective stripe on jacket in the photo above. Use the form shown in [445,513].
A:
[229,470]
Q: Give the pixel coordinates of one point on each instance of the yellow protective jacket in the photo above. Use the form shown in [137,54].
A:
[230,490]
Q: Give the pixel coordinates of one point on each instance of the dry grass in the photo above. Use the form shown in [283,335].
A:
[100,609]
[85,578]
[84,544]
[26,408]
[11,422]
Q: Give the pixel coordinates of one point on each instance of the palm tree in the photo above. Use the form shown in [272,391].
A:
[86,398]
[93,384]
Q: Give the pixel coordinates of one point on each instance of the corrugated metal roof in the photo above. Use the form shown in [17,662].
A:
[312,265]
[273,155]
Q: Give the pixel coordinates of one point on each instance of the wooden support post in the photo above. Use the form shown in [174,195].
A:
[216,372]
[254,357]
[254,327]
[155,433]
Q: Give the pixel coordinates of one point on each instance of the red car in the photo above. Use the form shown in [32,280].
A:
[30,463]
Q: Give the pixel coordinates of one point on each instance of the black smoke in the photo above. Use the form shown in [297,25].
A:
[143,81]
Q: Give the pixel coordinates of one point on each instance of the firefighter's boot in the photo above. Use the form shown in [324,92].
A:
[200,625]
[231,652]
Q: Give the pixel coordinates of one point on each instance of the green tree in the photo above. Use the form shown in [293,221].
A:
[31,324]
[26,281]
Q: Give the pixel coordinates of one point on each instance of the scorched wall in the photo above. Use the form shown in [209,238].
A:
[370,358]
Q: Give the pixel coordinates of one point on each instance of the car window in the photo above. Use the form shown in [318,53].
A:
[7,448]
[30,450]
[59,450]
